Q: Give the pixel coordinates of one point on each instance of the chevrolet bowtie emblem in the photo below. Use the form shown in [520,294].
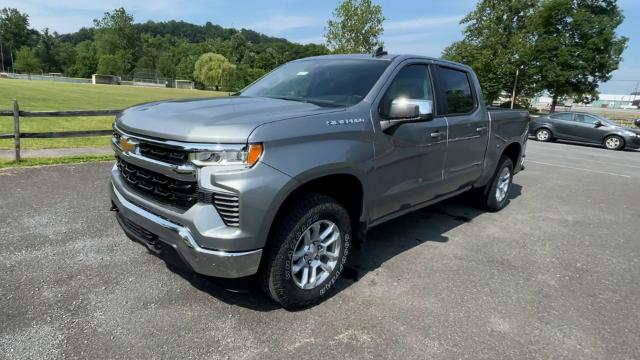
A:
[127,145]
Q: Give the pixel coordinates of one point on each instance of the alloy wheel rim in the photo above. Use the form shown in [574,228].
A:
[316,254]
[543,135]
[504,181]
[613,143]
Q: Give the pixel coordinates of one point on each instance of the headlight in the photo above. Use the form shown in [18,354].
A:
[228,155]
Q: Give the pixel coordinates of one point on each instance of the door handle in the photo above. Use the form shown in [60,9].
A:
[481,129]
[436,134]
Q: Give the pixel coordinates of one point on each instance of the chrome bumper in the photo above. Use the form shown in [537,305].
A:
[203,261]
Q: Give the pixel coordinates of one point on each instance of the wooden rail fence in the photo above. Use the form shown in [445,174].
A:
[17,135]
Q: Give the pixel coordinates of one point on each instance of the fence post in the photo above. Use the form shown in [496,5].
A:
[16,129]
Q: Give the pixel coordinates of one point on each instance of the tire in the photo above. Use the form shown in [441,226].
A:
[293,243]
[544,135]
[491,198]
[613,142]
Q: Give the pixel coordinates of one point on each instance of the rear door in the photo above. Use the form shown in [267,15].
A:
[468,126]
[564,125]
[410,157]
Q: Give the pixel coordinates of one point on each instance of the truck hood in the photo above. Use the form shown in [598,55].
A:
[211,120]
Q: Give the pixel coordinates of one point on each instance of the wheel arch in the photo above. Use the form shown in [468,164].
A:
[513,151]
[343,185]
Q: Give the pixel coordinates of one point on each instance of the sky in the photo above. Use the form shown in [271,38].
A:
[422,27]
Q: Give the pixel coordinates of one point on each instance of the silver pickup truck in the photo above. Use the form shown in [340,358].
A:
[281,179]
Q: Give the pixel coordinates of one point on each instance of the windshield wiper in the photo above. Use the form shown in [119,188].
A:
[310,101]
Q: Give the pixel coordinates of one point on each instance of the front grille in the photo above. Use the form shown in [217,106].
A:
[228,206]
[182,194]
[164,154]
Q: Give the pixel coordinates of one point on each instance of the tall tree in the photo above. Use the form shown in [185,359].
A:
[497,44]
[14,32]
[116,34]
[356,27]
[576,46]
[27,61]
[213,70]
[46,50]
[86,60]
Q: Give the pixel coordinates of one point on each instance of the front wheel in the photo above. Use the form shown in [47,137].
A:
[613,142]
[306,252]
[495,194]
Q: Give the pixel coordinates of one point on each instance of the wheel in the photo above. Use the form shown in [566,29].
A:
[613,142]
[543,134]
[306,252]
[495,194]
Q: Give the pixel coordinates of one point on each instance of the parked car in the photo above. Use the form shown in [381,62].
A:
[586,128]
[282,179]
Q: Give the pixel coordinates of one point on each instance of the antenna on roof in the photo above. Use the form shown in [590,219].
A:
[380,52]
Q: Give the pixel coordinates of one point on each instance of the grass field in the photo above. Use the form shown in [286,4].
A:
[43,161]
[49,95]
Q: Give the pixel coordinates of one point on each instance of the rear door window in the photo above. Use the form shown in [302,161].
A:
[566,116]
[455,90]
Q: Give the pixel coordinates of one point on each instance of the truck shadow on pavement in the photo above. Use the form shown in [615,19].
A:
[383,243]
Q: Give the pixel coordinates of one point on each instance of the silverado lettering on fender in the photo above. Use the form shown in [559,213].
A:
[282,178]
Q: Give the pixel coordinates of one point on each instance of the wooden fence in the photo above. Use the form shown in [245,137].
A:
[17,135]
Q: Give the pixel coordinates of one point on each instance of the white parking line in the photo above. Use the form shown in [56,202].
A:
[563,156]
[577,168]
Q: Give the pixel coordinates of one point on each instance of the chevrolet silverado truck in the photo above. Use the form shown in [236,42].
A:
[280,180]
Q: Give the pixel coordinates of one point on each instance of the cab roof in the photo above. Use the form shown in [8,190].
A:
[387,57]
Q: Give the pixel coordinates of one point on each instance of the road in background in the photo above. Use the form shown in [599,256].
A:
[554,275]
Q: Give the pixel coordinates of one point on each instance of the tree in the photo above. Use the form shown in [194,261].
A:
[213,70]
[356,27]
[46,51]
[14,31]
[115,34]
[86,60]
[497,45]
[238,45]
[576,46]
[27,61]
[113,64]
[65,55]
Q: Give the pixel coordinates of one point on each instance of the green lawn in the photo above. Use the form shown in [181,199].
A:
[49,95]
[41,161]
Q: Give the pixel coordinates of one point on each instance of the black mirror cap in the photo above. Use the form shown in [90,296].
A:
[598,124]
[637,122]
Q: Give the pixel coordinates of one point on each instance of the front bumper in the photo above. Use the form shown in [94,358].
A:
[632,142]
[148,228]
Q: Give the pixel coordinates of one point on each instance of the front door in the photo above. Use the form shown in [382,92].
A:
[468,127]
[587,131]
[410,156]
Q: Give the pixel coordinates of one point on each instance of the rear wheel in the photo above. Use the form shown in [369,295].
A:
[613,142]
[543,135]
[307,251]
[494,195]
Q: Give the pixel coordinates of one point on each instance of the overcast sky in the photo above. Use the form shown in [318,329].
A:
[414,26]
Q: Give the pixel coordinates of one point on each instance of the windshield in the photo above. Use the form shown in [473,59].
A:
[325,82]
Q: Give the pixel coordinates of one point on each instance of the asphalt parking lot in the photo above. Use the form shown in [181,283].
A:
[554,275]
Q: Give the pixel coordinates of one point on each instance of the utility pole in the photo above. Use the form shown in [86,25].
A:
[2,56]
[515,84]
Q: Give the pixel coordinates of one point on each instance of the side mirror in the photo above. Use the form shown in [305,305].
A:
[637,122]
[598,124]
[404,110]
